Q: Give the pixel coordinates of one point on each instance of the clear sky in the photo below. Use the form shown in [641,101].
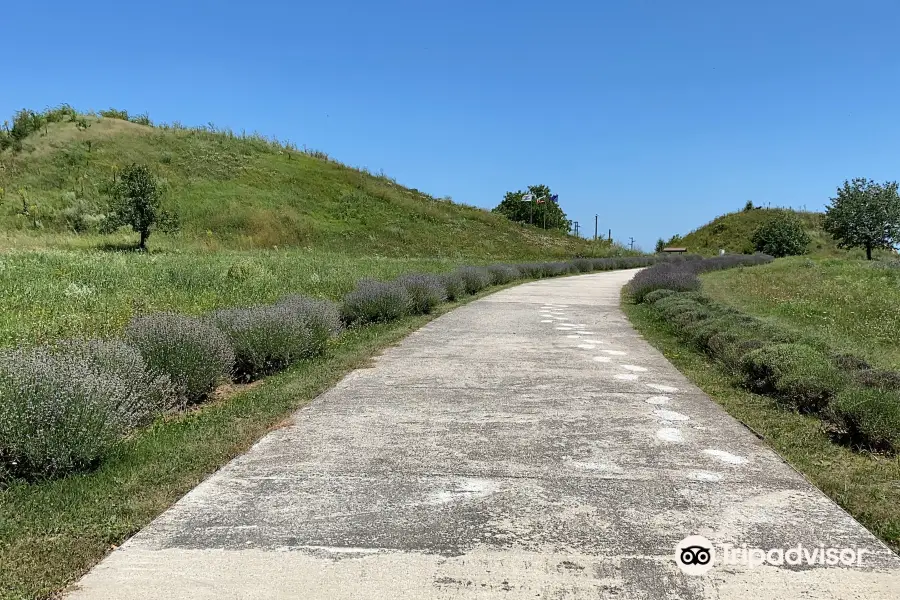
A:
[656,115]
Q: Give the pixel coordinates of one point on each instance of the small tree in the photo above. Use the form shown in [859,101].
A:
[660,245]
[865,214]
[541,211]
[136,199]
[783,235]
[749,206]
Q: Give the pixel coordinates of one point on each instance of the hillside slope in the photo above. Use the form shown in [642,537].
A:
[733,232]
[243,192]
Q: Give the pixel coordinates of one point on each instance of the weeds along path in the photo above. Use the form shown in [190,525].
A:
[529,444]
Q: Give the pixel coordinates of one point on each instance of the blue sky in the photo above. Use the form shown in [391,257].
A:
[658,116]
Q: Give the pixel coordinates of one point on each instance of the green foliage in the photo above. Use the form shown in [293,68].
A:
[425,291]
[865,214]
[733,232]
[870,417]
[136,202]
[660,245]
[749,206]
[655,295]
[475,279]
[783,235]
[541,211]
[797,374]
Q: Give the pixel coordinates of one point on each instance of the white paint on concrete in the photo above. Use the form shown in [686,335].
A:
[658,400]
[662,388]
[635,368]
[546,321]
[574,336]
[616,352]
[670,415]
[586,332]
[587,346]
[627,377]
[708,476]
[727,457]
[669,434]
[601,359]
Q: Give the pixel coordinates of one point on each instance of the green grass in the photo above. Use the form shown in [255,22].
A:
[849,304]
[54,531]
[243,192]
[733,232]
[865,485]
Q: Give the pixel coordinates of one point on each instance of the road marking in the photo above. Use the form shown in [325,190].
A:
[670,415]
[669,434]
[727,457]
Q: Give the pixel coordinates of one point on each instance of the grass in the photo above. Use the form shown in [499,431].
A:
[52,294]
[54,531]
[865,485]
[234,192]
[733,232]
[849,304]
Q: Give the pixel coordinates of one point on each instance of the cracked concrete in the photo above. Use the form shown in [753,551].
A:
[493,455]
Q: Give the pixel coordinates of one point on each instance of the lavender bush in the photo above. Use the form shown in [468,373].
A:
[454,286]
[502,274]
[475,279]
[375,301]
[194,353]
[266,339]
[62,409]
[321,316]
[425,291]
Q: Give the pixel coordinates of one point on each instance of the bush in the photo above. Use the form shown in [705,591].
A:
[375,301]
[531,270]
[62,409]
[796,374]
[267,339]
[454,286]
[194,353]
[783,235]
[879,379]
[655,295]
[475,279]
[425,292]
[869,417]
[661,277]
[582,265]
[321,316]
[503,274]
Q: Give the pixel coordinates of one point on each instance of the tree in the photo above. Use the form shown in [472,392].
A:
[540,211]
[782,235]
[749,206]
[660,245]
[136,198]
[865,214]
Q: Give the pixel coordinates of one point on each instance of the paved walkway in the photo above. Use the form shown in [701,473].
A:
[527,445]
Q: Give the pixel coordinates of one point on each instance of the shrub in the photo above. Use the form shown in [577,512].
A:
[503,274]
[661,277]
[194,353]
[783,235]
[375,301]
[870,417]
[454,286]
[798,375]
[582,265]
[475,279]
[322,317]
[267,339]
[880,379]
[62,409]
[655,295]
[425,292]
[531,270]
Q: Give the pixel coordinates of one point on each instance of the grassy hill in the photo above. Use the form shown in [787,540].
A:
[242,192]
[733,232]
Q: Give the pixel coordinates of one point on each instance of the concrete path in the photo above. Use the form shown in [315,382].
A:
[527,445]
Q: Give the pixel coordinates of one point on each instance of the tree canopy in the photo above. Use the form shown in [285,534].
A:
[865,214]
[541,211]
[783,235]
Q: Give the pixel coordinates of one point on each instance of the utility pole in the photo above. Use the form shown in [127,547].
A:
[595,227]
[631,244]
[610,236]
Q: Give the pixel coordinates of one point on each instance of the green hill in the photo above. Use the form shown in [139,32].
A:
[733,231]
[241,192]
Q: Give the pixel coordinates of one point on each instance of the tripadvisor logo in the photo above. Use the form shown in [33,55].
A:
[696,555]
